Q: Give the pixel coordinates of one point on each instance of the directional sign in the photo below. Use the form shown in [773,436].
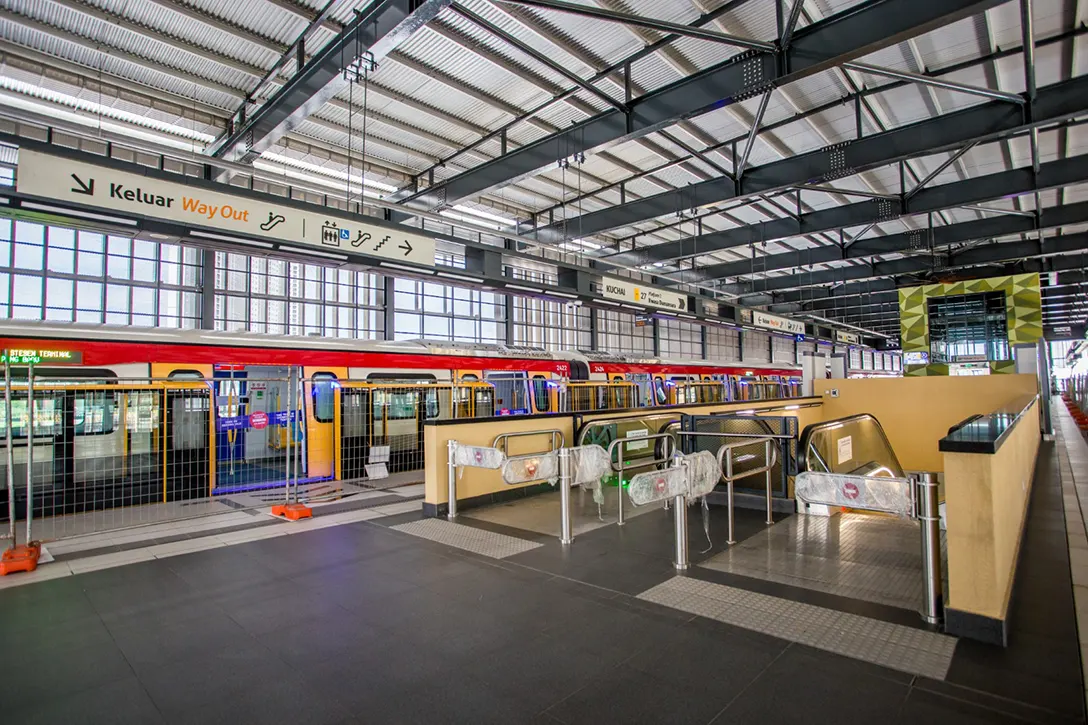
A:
[55,177]
[628,290]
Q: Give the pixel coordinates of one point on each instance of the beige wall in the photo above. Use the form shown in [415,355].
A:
[478,482]
[917,412]
[986,499]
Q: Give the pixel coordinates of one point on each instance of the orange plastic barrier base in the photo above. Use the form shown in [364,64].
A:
[293,511]
[21,558]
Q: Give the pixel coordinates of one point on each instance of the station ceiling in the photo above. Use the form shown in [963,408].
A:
[803,156]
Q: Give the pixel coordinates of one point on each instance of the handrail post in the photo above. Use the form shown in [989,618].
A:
[451,473]
[566,534]
[619,484]
[680,524]
[930,519]
[729,489]
[10,460]
[767,462]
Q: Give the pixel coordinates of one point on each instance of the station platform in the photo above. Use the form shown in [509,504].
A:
[389,617]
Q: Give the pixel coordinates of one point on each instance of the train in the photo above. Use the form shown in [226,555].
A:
[151,414]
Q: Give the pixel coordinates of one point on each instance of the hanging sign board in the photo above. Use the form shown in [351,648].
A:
[628,290]
[849,338]
[63,179]
[779,324]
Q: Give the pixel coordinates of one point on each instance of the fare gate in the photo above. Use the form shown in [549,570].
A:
[903,497]
[563,467]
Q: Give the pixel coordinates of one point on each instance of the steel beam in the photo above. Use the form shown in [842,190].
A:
[900,75]
[840,38]
[639,21]
[1021,257]
[1054,174]
[375,32]
[973,256]
[996,119]
[904,242]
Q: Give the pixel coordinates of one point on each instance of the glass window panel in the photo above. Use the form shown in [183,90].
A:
[89,257]
[27,298]
[29,245]
[117,298]
[408,326]
[436,327]
[88,301]
[169,266]
[58,299]
[61,256]
[169,308]
[143,262]
[143,306]
[119,259]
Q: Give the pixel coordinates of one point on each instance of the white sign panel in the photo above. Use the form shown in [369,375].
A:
[846,449]
[64,179]
[628,290]
[637,433]
[849,338]
[774,322]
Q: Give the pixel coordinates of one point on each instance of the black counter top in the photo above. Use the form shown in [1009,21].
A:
[986,433]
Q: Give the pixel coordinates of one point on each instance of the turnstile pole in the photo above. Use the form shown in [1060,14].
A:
[566,533]
[766,462]
[680,524]
[10,459]
[729,493]
[930,519]
[451,473]
[619,488]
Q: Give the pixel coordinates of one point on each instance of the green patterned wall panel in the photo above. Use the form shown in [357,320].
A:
[1023,304]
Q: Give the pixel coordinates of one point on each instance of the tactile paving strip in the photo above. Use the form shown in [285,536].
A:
[478,541]
[872,558]
[915,651]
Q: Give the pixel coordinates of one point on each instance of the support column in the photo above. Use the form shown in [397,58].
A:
[509,319]
[389,320]
[657,338]
[704,348]
[207,289]
[594,326]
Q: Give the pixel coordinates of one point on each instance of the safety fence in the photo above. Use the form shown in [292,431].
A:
[85,455]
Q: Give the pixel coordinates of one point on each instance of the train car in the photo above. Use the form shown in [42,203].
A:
[127,415]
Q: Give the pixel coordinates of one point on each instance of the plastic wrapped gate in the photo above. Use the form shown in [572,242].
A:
[477,456]
[885,495]
[532,467]
[696,476]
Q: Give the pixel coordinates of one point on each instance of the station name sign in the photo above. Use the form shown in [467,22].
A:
[63,179]
[630,291]
[776,323]
[37,357]
[849,338]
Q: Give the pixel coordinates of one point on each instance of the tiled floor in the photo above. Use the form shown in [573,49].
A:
[359,622]
[867,557]
[541,513]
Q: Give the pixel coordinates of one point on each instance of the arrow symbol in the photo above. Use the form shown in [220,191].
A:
[406,247]
[84,188]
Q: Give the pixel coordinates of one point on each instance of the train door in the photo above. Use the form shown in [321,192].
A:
[511,390]
[231,424]
[319,441]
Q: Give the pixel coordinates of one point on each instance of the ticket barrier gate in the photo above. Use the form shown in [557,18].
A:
[691,477]
[903,497]
[563,467]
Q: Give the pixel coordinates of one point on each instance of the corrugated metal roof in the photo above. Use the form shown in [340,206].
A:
[452,82]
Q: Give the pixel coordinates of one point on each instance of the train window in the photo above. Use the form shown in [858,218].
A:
[324,392]
[93,412]
[470,378]
[659,391]
[395,404]
[541,398]
[185,375]
[430,402]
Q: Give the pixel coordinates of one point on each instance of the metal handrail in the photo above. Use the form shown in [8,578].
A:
[725,464]
[501,438]
[619,467]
